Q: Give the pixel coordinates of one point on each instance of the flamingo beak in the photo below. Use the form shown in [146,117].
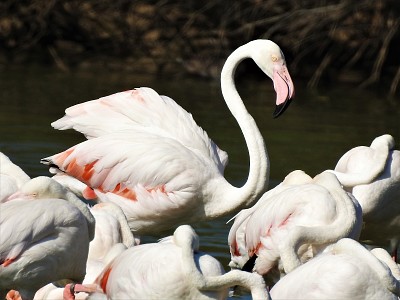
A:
[284,89]
[16,195]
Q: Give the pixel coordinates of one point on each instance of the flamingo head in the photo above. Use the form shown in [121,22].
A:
[270,59]
[43,187]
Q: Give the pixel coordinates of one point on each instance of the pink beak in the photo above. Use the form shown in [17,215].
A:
[284,89]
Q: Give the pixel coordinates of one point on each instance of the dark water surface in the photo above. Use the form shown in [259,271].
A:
[312,134]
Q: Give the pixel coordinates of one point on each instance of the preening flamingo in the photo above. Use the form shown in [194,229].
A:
[172,268]
[146,154]
[45,232]
[12,177]
[292,223]
[345,270]
[372,175]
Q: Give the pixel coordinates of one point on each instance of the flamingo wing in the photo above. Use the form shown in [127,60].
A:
[140,108]
[156,172]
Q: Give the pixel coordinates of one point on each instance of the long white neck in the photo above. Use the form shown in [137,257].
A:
[186,238]
[126,234]
[257,180]
[70,197]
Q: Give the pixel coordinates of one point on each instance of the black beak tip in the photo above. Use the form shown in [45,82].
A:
[280,109]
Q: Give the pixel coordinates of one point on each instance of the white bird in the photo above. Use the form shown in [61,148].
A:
[292,223]
[112,237]
[372,175]
[146,154]
[12,177]
[174,269]
[45,232]
[345,270]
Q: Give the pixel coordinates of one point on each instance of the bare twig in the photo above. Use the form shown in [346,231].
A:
[317,74]
[376,70]
[58,61]
[395,83]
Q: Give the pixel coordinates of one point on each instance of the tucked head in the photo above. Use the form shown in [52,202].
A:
[43,187]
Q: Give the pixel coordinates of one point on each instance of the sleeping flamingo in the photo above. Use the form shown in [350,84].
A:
[112,237]
[345,270]
[12,177]
[292,223]
[45,232]
[172,268]
[372,175]
[146,154]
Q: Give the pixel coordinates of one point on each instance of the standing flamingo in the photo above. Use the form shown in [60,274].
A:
[292,223]
[172,268]
[12,177]
[372,175]
[146,154]
[45,232]
[345,270]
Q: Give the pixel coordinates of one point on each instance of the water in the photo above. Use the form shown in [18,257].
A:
[313,133]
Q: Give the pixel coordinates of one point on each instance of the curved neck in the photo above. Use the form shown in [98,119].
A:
[257,180]
[126,234]
[70,197]
[345,224]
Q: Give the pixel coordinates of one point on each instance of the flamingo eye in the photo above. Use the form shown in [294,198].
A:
[274,58]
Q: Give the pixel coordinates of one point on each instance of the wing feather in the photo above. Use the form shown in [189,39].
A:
[141,109]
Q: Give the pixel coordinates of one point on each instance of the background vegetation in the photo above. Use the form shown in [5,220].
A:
[357,42]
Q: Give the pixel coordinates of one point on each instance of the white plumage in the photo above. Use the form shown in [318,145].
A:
[173,269]
[146,154]
[12,177]
[44,237]
[372,175]
[345,270]
[292,223]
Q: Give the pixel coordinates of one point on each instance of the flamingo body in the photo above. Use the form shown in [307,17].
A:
[292,223]
[151,271]
[146,154]
[372,175]
[48,242]
[12,177]
[173,268]
[112,237]
[45,235]
[345,270]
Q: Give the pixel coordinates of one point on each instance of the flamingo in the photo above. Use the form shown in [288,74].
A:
[12,177]
[112,237]
[345,270]
[45,232]
[172,268]
[147,155]
[292,223]
[372,175]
